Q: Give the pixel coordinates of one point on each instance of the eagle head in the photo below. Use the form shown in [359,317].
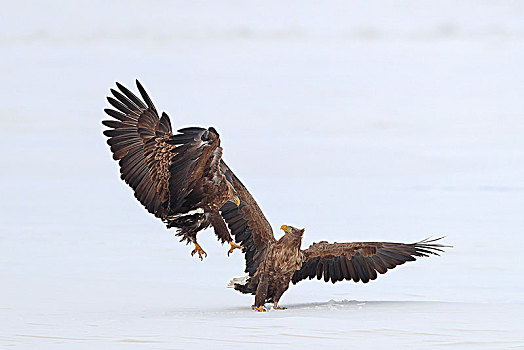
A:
[292,230]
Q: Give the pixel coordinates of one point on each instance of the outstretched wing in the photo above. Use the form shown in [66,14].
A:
[360,261]
[137,137]
[247,223]
[163,169]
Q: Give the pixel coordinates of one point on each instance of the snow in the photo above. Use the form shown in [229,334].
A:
[388,121]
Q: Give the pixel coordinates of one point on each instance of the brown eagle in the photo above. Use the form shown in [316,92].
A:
[181,178]
[281,262]
[177,177]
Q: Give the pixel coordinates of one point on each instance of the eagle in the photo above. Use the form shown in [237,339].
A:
[283,262]
[181,178]
[175,176]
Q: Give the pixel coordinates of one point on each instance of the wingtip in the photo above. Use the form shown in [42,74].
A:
[106,122]
[121,86]
[429,243]
[145,96]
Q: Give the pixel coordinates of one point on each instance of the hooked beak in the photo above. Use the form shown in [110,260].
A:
[236,200]
[291,230]
[285,228]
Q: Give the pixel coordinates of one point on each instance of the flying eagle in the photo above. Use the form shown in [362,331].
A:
[181,178]
[177,177]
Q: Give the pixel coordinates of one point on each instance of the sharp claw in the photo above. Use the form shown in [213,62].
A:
[198,249]
[233,247]
[259,308]
[276,307]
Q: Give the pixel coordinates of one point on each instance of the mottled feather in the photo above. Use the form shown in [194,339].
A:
[138,140]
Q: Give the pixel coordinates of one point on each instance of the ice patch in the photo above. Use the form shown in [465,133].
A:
[237,280]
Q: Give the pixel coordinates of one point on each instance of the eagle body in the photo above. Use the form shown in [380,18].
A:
[273,276]
[210,193]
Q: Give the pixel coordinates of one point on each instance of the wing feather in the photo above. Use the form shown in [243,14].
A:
[247,222]
[131,96]
[120,116]
[146,97]
[344,267]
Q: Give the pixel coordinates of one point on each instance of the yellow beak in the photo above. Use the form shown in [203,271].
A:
[236,200]
[285,228]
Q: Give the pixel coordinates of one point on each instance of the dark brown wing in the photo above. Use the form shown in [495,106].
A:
[194,167]
[247,223]
[359,261]
[137,137]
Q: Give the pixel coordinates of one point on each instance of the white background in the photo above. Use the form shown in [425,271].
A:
[388,121]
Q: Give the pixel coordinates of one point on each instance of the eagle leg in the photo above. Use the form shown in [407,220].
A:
[281,288]
[198,249]
[276,307]
[219,225]
[261,293]
[233,247]
[259,308]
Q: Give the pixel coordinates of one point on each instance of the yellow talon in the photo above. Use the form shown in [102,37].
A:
[233,247]
[276,307]
[259,308]
[198,249]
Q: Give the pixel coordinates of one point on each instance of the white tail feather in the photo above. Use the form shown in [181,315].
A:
[238,280]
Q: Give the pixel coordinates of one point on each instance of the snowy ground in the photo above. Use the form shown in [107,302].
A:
[387,121]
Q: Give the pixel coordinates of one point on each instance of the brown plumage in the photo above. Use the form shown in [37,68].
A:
[271,265]
[182,179]
[283,262]
[247,223]
[359,261]
[176,177]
